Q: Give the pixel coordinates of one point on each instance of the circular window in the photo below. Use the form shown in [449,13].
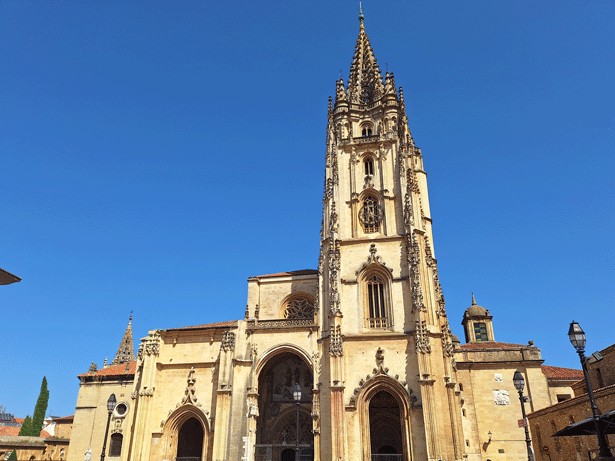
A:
[121,409]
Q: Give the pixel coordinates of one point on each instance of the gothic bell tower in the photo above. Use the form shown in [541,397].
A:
[385,335]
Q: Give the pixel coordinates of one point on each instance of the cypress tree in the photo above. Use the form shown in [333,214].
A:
[39,410]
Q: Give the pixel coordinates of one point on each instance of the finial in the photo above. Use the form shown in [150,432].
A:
[473,300]
[361,17]
[130,318]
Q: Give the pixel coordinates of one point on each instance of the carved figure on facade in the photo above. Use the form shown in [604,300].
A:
[228,341]
[373,259]
[252,408]
[336,347]
[422,337]
[189,392]
[380,363]
[316,367]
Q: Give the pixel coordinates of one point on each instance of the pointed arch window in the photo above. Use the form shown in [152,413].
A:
[376,301]
[371,214]
[368,163]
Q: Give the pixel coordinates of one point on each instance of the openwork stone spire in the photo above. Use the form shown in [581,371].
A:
[126,351]
[365,82]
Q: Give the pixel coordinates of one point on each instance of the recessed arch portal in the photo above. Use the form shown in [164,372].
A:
[276,431]
[384,411]
[190,440]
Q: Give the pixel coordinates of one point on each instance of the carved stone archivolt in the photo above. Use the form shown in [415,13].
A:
[336,347]
[189,398]
[378,372]
[422,337]
[228,341]
[373,259]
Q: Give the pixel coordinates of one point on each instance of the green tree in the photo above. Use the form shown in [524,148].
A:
[39,410]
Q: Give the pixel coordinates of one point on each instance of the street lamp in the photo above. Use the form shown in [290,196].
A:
[110,406]
[519,383]
[297,398]
[577,338]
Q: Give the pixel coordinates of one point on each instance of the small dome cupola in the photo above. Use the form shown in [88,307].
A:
[477,323]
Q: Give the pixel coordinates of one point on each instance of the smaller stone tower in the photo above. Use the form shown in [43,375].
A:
[126,351]
[477,324]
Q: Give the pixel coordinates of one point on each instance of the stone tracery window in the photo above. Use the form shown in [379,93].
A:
[300,307]
[370,214]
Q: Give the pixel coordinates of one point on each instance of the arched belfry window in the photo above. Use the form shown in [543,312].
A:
[368,163]
[376,300]
[370,214]
[366,131]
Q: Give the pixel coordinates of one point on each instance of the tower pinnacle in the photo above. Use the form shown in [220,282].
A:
[125,353]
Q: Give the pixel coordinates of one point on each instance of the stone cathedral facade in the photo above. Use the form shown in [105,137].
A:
[365,338]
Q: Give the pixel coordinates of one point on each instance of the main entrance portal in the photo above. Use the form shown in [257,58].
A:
[276,434]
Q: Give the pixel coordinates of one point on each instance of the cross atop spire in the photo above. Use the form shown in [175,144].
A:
[365,80]
[126,351]
[361,17]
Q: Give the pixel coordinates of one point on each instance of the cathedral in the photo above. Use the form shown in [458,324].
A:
[352,361]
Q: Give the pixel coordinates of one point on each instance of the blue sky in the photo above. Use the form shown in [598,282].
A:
[154,155]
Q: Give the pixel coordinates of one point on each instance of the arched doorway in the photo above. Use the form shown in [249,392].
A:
[276,432]
[385,427]
[190,441]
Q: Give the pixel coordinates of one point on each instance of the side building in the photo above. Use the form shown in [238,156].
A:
[547,421]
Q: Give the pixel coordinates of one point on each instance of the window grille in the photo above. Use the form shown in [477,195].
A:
[376,302]
[480,331]
[370,215]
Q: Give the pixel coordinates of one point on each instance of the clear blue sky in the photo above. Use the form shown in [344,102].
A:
[154,155]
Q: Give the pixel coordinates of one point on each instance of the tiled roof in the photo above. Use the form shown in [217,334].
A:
[14,430]
[282,274]
[561,373]
[491,345]
[228,324]
[115,370]
[65,419]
